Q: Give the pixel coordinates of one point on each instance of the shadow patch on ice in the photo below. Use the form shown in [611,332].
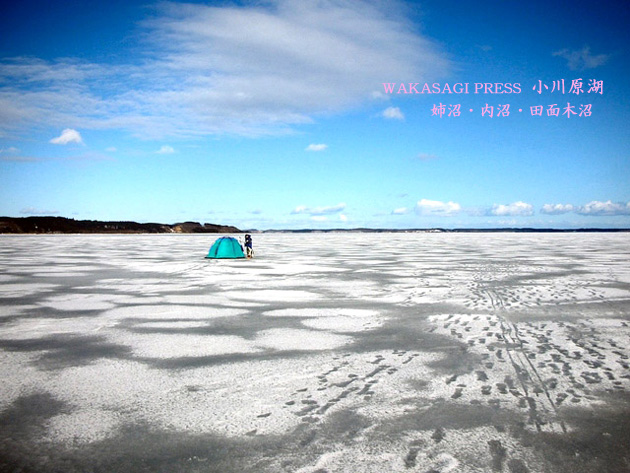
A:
[143,448]
[599,440]
[409,330]
[63,351]
[438,413]
[298,339]
[188,362]
[458,360]
[243,325]
[343,426]
[26,417]
[11,312]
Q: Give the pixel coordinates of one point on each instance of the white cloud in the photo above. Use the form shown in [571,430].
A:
[435,207]
[319,218]
[68,136]
[400,211]
[249,70]
[582,59]
[166,149]
[556,209]
[319,211]
[378,95]
[514,209]
[9,150]
[393,113]
[608,208]
[316,147]
[111,149]
[426,156]
[343,218]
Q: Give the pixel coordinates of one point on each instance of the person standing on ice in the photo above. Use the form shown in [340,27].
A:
[249,249]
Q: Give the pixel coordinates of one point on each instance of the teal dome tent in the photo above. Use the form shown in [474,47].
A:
[226,247]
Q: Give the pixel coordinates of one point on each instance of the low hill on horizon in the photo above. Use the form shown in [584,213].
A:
[16,225]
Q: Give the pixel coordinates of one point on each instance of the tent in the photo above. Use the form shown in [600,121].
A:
[226,247]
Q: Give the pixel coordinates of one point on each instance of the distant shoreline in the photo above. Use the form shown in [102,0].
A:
[50,225]
[62,225]
[451,230]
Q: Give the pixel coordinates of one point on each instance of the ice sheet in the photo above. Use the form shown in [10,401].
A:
[327,352]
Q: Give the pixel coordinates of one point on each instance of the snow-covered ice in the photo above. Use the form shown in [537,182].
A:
[344,352]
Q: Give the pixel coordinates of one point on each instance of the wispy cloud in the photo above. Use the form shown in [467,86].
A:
[19,159]
[13,154]
[426,156]
[435,207]
[88,156]
[514,209]
[400,211]
[608,208]
[393,113]
[316,147]
[165,149]
[68,136]
[84,156]
[582,59]
[319,211]
[249,70]
[37,211]
[556,209]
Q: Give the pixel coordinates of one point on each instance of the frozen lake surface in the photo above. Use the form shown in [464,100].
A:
[326,353]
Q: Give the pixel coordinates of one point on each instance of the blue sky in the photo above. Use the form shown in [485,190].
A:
[274,114]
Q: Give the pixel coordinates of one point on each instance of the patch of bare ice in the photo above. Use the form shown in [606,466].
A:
[322,312]
[297,268]
[30,328]
[82,426]
[74,302]
[164,346]
[7,277]
[209,300]
[146,286]
[296,339]
[174,324]
[228,399]
[342,324]
[19,376]
[273,295]
[26,289]
[174,312]
[13,310]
